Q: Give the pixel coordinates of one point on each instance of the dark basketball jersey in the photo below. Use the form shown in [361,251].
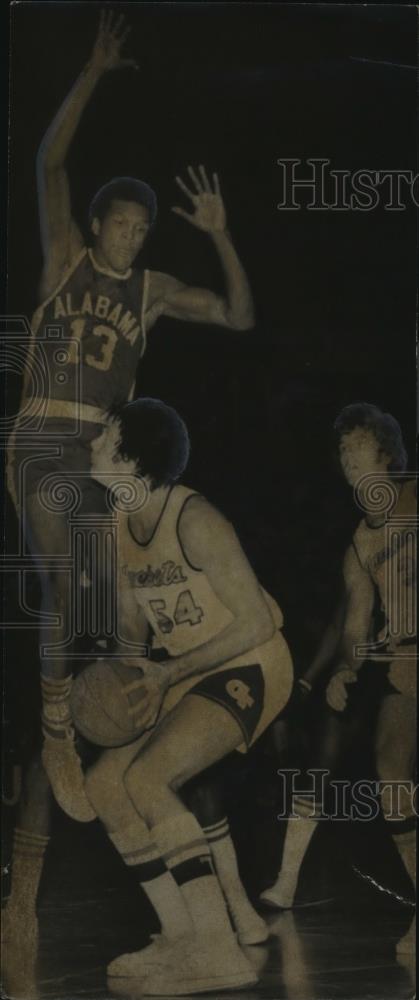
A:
[99,319]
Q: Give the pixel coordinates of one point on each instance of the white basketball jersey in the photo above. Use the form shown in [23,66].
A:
[177,599]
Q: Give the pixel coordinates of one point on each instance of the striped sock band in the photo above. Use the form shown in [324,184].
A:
[217,831]
[28,844]
[184,847]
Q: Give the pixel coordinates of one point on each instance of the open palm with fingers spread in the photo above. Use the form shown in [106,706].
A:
[112,34]
[208,207]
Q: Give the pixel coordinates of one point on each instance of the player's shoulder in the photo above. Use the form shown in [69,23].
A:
[200,523]
[407,502]
[58,270]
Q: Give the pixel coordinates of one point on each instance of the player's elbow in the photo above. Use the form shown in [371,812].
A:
[242,320]
[47,159]
[260,627]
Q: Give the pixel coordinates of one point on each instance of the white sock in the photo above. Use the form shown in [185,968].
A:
[27,865]
[139,854]
[406,846]
[297,839]
[186,852]
[225,860]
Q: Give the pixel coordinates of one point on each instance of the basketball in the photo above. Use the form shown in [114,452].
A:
[99,705]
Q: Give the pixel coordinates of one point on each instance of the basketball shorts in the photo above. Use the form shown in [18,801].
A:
[254,688]
[55,453]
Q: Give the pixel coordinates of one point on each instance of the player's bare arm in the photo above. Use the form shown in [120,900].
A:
[61,239]
[169,297]
[328,648]
[359,608]
[211,544]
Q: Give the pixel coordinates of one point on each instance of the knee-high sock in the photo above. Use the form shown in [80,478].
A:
[138,853]
[27,865]
[297,839]
[186,853]
[405,841]
[225,861]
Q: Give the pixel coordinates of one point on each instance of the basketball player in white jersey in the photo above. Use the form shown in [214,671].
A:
[370,442]
[106,308]
[226,675]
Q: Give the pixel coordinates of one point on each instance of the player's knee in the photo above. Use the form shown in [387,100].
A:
[98,785]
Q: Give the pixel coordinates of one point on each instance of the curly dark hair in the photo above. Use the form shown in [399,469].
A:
[384,426]
[126,189]
[155,437]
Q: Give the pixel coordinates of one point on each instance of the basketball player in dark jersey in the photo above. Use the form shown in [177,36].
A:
[105,308]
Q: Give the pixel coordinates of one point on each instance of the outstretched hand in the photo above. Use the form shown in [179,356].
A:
[208,207]
[112,34]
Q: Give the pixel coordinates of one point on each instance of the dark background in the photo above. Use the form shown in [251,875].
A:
[236,86]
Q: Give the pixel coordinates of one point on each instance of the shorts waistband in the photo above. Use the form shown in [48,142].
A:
[62,408]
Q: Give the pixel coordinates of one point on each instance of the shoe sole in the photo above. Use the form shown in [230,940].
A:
[273,904]
[210,985]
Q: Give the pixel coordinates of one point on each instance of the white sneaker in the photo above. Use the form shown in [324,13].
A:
[63,767]
[138,964]
[200,965]
[249,926]
[281,895]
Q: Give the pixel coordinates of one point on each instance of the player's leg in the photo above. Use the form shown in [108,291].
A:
[131,838]
[206,800]
[196,734]
[20,931]
[306,809]
[47,534]
[395,761]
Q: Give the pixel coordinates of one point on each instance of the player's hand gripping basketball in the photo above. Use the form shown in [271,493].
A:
[208,207]
[112,34]
[149,691]
[336,693]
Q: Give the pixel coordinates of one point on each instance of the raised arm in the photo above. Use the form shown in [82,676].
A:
[61,239]
[234,309]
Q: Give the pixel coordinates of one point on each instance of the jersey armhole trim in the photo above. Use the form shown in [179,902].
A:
[146,289]
[197,569]
[357,555]
[67,273]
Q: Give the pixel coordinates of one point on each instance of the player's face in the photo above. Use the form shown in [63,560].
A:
[121,234]
[106,461]
[360,454]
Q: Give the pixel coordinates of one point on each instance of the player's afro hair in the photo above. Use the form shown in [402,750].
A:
[385,428]
[126,189]
[155,437]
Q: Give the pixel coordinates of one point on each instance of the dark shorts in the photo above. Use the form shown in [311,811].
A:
[241,691]
[56,453]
